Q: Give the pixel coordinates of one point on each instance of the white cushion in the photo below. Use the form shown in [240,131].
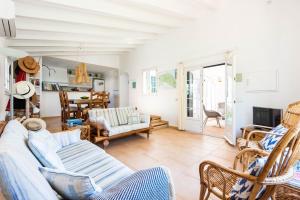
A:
[44,148]
[70,185]
[139,126]
[66,138]
[133,118]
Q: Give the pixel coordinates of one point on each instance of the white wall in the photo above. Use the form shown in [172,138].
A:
[61,74]
[101,60]
[111,79]
[3,97]
[263,36]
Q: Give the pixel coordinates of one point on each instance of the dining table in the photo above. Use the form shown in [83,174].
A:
[85,103]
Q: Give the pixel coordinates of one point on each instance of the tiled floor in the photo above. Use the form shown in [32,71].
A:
[180,151]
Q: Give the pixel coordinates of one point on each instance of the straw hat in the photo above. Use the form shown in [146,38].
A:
[34,124]
[23,90]
[29,65]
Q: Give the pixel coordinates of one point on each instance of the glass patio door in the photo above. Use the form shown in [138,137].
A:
[193,100]
[229,134]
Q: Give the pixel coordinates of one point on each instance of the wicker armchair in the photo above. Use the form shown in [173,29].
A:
[219,180]
[290,118]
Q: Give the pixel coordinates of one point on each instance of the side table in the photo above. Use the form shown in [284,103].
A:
[85,130]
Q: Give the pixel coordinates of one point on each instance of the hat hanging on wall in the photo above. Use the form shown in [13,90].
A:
[23,90]
[29,65]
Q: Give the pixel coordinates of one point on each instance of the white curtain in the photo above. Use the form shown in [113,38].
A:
[181,97]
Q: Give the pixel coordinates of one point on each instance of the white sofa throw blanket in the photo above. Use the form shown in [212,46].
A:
[149,184]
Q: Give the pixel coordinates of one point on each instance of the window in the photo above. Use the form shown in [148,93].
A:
[193,94]
[149,82]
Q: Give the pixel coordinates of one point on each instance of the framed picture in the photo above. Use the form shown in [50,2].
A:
[133,84]
[98,85]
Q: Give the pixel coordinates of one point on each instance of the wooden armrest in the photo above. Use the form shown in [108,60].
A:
[251,133]
[225,169]
[254,126]
[247,151]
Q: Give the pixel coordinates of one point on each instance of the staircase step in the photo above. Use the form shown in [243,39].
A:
[155,117]
[161,123]
[155,120]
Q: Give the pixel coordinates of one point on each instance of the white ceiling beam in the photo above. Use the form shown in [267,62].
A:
[71,49]
[177,8]
[64,15]
[49,43]
[40,35]
[75,53]
[110,8]
[34,24]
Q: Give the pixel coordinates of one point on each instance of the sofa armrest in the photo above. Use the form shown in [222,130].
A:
[66,138]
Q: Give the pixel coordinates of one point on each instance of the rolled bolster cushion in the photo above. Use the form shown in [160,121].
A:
[149,184]
[66,138]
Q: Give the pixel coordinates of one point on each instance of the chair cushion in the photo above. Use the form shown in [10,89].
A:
[269,141]
[133,118]
[70,185]
[242,189]
[86,158]
[44,147]
[66,138]
[241,142]
[122,114]
[108,114]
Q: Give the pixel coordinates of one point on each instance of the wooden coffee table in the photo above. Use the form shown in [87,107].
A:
[85,130]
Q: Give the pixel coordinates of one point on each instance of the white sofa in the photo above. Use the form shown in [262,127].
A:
[20,178]
[113,123]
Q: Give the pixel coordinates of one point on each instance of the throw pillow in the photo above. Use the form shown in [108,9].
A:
[70,185]
[133,118]
[44,147]
[148,184]
[242,188]
[269,141]
[66,138]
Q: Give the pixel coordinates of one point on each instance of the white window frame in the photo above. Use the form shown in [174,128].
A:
[148,89]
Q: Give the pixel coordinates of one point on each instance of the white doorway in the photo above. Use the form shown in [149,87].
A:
[217,95]
[214,92]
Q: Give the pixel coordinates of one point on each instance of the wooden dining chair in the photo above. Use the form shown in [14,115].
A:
[62,106]
[70,111]
[278,169]
[96,100]
[106,100]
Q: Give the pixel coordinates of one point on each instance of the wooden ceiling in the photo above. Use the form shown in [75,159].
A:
[91,27]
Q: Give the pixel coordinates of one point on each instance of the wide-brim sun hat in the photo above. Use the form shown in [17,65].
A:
[23,90]
[34,124]
[29,65]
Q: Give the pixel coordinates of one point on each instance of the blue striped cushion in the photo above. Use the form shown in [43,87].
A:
[86,158]
[149,184]
[243,187]
[70,185]
[269,141]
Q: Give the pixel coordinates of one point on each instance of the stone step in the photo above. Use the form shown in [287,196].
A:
[160,123]
[155,117]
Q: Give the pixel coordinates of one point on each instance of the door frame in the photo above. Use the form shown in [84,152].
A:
[206,61]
